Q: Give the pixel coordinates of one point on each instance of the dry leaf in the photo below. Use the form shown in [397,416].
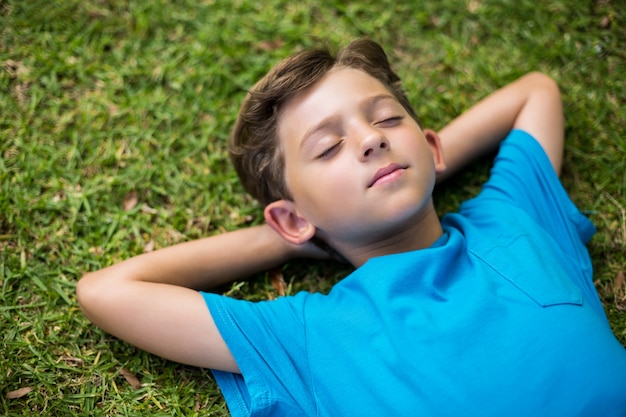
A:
[619,291]
[205,117]
[14,68]
[473,6]
[130,378]
[278,281]
[96,250]
[605,22]
[270,45]
[618,283]
[130,201]
[20,92]
[71,361]
[18,393]
[149,247]
[174,236]
[113,110]
[149,210]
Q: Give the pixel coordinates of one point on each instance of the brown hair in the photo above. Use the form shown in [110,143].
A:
[254,147]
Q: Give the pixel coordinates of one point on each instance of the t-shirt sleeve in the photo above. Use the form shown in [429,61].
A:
[523,176]
[523,186]
[268,343]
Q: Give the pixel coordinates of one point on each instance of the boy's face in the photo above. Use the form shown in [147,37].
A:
[357,165]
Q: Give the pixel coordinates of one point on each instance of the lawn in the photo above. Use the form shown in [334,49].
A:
[114,117]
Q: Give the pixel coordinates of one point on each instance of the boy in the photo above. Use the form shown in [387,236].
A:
[490,311]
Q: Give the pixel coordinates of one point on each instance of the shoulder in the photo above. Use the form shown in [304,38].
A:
[520,147]
[521,165]
[524,194]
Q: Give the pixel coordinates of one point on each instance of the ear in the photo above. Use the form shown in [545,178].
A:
[283,217]
[432,138]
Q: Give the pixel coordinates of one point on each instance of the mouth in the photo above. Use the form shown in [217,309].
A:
[386,174]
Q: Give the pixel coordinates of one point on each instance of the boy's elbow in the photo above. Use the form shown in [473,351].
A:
[543,81]
[83,289]
[539,74]
[89,293]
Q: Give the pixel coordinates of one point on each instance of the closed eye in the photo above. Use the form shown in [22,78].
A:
[390,121]
[330,151]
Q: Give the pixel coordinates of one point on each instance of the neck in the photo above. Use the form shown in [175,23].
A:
[420,233]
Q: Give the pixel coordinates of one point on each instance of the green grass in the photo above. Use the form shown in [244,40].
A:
[101,98]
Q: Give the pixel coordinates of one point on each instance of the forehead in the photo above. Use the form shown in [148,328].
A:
[340,90]
[345,83]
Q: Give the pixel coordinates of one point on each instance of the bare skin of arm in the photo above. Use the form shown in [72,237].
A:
[151,300]
[531,103]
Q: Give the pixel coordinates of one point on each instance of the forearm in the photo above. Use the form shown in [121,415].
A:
[151,302]
[205,263]
[531,103]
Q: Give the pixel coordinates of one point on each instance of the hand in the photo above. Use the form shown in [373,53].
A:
[313,250]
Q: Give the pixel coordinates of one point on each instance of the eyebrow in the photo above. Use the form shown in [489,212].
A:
[325,123]
[329,121]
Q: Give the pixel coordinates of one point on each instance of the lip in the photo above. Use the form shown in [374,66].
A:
[384,173]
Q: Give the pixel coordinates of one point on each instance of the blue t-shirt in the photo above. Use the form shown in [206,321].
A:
[498,317]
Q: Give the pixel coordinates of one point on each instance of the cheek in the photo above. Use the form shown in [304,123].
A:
[319,192]
[338,179]
[322,189]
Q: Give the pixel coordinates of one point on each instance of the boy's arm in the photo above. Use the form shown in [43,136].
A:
[531,103]
[151,300]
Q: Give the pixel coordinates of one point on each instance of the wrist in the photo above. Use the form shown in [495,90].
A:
[286,251]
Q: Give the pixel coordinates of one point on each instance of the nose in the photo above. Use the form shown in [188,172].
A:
[373,142]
